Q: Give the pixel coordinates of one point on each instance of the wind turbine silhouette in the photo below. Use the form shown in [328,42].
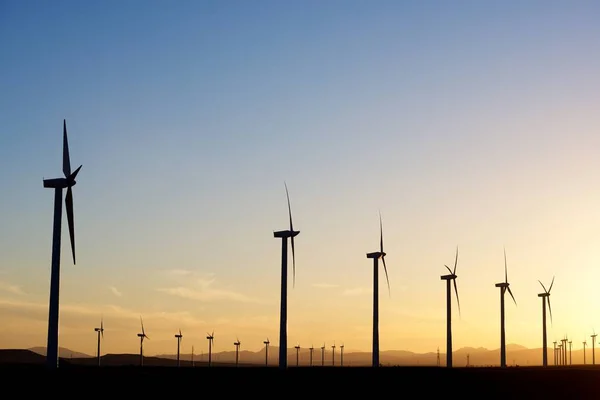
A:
[210,337]
[594,347]
[179,336]
[323,355]
[193,365]
[311,350]
[58,184]
[564,349]
[555,358]
[451,277]
[376,256]
[266,342]
[284,235]
[342,354]
[584,344]
[333,354]
[570,354]
[297,347]
[544,296]
[100,332]
[504,286]
[142,336]
[237,350]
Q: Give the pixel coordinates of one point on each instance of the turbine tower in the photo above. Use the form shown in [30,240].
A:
[179,336]
[584,344]
[555,360]
[545,298]
[142,336]
[58,184]
[284,235]
[570,352]
[333,354]
[376,256]
[210,337]
[323,355]
[342,355]
[504,286]
[312,349]
[193,365]
[297,347]
[594,347]
[237,344]
[564,350]
[266,342]
[450,278]
[100,332]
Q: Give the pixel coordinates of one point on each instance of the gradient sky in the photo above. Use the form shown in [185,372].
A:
[466,123]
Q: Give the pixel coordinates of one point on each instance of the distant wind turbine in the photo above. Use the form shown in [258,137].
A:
[376,256]
[570,354]
[545,297]
[284,235]
[297,347]
[323,355]
[584,344]
[342,354]
[504,286]
[142,336]
[594,347]
[193,365]
[555,360]
[266,342]
[237,344]
[58,184]
[100,332]
[311,350]
[210,337]
[179,336]
[450,278]
[333,354]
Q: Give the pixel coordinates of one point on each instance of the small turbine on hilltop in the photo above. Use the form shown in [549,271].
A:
[210,337]
[311,350]
[376,256]
[333,354]
[450,278]
[100,332]
[323,355]
[142,336]
[284,235]
[58,184]
[193,365]
[297,347]
[266,342]
[594,347]
[584,344]
[342,355]
[237,344]
[545,297]
[178,336]
[504,286]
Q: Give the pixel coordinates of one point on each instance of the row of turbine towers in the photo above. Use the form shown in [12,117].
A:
[68,181]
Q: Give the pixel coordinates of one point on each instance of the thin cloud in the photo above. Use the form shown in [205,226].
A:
[14,289]
[325,285]
[115,291]
[357,291]
[180,272]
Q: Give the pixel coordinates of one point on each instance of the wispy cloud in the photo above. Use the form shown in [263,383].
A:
[357,291]
[115,291]
[325,285]
[14,289]
[203,289]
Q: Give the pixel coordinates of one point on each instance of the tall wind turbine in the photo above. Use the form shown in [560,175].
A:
[237,344]
[584,344]
[58,184]
[311,350]
[266,342]
[544,296]
[284,235]
[297,347]
[142,336]
[323,355]
[376,256]
[178,336]
[100,332]
[555,360]
[594,347]
[450,278]
[210,337]
[342,354]
[333,354]
[504,286]
[570,354]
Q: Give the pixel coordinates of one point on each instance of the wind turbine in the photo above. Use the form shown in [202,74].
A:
[342,354]
[376,256]
[142,336]
[311,349]
[570,352]
[210,337]
[555,361]
[448,278]
[100,333]
[545,297]
[58,184]
[193,365]
[594,347]
[179,336]
[323,355]
[237,350]
[584,344]
[504,286]
[266,342]
[333,354]
[297,347]
[284,235]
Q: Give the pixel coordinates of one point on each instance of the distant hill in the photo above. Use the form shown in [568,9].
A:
[63,352]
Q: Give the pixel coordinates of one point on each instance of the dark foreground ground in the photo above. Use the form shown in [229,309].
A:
[573,382]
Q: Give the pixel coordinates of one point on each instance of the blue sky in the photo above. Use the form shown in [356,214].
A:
[467,123]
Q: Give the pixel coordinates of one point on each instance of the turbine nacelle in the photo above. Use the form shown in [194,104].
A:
[543,294]
[448,277]
[376,255]
[503,284]
[286,234]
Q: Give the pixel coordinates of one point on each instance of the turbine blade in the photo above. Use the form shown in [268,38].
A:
[505,268]
[511,294]
[457,300]
[380,233]
[142,322]
[74,174]
[292,237]
[449,270]
[552,283]
[386,275]
[455,261]
[543,286]
[70,221]
[66,158]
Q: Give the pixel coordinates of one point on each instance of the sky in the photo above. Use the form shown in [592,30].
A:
[467,123]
